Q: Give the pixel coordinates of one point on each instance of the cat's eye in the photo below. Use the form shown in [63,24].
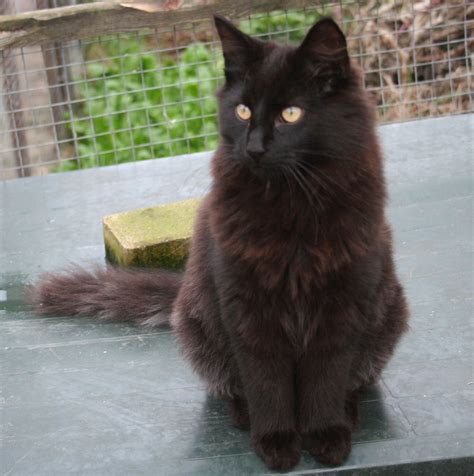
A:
[291,114]
[243,112]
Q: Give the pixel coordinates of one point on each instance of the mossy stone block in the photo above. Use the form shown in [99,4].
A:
[152,237]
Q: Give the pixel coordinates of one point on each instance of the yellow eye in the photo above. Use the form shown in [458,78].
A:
[243,112]
[291,114]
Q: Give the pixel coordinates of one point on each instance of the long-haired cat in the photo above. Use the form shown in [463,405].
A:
[289,305]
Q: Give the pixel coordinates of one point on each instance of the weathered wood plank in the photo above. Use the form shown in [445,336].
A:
[101,18]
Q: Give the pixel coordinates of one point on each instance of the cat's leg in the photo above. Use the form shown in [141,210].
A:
[377,346]
[208,353]
[322,378]
[197,324]
[269,387]
[266,366]
[378,343]
[210,356]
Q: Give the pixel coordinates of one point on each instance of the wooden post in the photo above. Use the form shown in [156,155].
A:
[13,104]
[57,77]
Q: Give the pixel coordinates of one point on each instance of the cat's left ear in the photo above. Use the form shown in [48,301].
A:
[324,50]
[240,50]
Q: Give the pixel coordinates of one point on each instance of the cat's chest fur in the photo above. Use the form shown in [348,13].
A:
[281,301]
[284,250]
[281,260]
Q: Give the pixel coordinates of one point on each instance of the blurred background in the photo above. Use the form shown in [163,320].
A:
[148,93]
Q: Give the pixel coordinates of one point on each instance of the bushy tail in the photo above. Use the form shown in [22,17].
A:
[112,294]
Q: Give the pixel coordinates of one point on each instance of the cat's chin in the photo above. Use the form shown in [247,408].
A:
[260,173]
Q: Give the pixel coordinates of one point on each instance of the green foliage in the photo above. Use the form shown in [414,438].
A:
[136,105]
[282,26]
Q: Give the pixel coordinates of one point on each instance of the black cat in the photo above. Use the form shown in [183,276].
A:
[289,305]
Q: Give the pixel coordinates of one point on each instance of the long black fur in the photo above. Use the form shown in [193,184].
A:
[290,305]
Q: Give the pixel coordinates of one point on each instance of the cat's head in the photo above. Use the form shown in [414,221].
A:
[287,107]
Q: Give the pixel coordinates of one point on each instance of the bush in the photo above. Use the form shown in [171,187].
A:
[134,108]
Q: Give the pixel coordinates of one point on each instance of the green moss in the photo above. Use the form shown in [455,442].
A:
[152,237]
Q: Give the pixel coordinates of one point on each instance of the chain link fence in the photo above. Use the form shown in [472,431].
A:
[149,93]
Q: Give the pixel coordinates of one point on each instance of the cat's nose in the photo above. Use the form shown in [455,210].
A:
[255,144]
[255,151]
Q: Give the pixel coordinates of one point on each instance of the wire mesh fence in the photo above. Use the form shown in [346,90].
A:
[150,93]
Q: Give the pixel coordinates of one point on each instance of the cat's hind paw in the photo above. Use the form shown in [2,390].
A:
[240,414]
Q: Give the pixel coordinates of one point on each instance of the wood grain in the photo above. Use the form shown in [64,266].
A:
[101,18]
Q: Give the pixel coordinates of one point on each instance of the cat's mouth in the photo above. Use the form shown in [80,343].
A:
[265,171]
[258,167]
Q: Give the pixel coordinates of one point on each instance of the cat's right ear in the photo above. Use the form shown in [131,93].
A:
[324,52]
[240,50]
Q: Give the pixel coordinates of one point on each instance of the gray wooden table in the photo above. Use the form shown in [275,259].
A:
[87,398]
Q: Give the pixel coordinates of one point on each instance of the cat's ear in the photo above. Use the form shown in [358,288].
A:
[324,50]
[240,50]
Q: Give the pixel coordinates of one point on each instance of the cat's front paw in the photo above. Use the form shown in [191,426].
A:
[331,446]
[280,450]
